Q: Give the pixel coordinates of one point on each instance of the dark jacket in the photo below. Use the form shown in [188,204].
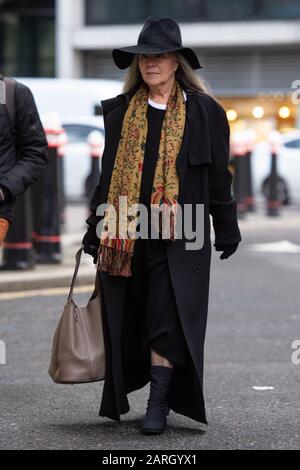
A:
[24,152]
[205,178]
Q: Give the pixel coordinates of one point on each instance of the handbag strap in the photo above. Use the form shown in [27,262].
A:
[97,288]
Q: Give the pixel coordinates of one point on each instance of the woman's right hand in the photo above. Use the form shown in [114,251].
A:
[91,242]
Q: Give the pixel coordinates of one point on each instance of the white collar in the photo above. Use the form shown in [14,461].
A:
[162,105]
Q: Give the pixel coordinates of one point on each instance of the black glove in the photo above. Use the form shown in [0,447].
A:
[228,250]
[91,242]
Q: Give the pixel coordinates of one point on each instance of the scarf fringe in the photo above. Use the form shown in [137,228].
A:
[172,235]
[116,263]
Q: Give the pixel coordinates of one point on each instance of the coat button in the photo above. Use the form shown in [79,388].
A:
[196,269]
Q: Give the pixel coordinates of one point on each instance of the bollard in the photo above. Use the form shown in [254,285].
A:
[96,144]
[250,139]
[238,151]
[63,140]
[273,202]
[18,250]
[46,236]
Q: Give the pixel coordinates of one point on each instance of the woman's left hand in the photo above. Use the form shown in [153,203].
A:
[228,250]
[90,243]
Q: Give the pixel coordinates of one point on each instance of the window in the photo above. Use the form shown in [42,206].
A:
[78,132]
[114,11]
[133,11]
[280,8]
[27,34]
[293,144]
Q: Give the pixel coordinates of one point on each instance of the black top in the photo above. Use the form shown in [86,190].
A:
[163,331]
[155,119]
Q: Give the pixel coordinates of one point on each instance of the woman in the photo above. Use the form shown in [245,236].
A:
[166,143]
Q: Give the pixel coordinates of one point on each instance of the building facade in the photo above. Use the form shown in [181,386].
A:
[27,38]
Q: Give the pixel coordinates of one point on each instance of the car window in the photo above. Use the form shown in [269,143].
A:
[78,132]
[293,144]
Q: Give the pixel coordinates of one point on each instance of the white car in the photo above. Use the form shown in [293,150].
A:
[77,154]
[72,97]
[288,168]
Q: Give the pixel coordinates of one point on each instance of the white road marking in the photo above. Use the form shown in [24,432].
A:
[262,387]
[283,246]
[44,292]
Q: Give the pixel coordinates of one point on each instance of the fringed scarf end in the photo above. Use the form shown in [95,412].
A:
[116,263]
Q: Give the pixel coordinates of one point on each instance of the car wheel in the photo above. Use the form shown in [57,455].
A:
[283,192]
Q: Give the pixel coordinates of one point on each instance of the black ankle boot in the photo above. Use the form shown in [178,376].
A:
[157,409]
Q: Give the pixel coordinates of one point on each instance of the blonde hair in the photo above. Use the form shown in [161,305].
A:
[184,73]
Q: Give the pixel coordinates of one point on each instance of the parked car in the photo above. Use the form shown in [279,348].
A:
[288,168]
[77,159]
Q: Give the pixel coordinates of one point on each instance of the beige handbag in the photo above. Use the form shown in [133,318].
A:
[78,354]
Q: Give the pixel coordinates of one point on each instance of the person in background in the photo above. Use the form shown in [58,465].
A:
[23,147]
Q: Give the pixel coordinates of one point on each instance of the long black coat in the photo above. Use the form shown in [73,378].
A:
[205,179]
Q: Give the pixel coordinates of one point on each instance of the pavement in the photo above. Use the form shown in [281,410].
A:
[56,275]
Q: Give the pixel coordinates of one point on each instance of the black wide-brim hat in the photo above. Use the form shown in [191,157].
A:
[157,36]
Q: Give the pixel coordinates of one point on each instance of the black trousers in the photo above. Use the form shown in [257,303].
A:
[163,332]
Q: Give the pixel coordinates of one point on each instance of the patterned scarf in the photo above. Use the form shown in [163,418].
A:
[116,248]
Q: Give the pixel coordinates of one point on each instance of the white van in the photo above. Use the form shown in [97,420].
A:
[74,101]
[69,97]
